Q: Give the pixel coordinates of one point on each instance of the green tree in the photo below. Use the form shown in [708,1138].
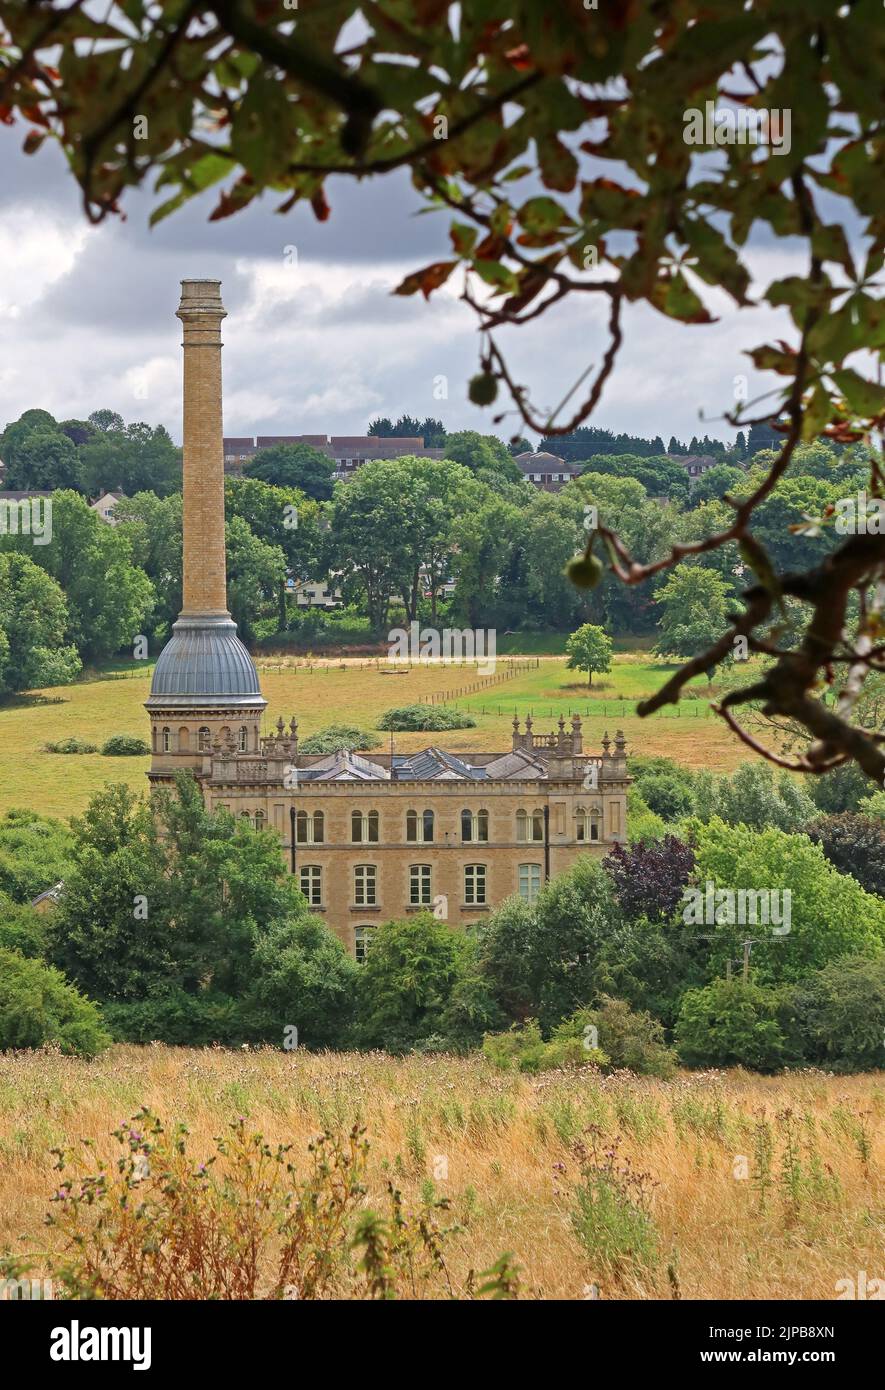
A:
[303,977]
[837,1017]
[406,982]
[830,915]
[589,649]
[298,466]
[255,574]
[33,626]
[152,526]
[349,98]
[730,1023]
[695,604]
[109,598]
[35,853]
[542,960]
[38,1006]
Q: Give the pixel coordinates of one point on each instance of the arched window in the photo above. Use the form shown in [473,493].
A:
[419,828]
[587,823]
[184,739]
[241,739]
[364,827]
[259,820]
[203,740]
[167,741]
[474,827]
[529,825]
[309,828]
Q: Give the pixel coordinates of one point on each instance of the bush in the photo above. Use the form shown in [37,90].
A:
[125,746]
[337,738]
[38,1006]
[22,929]
[649,877]
[70,745]
[419,718]
[173,1016]
[611,1036]
[841,789]
[731,1023]
[628,1039]
[837,1018]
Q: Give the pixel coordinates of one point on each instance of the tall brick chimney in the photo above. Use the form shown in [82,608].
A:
[205,690]
[204,586]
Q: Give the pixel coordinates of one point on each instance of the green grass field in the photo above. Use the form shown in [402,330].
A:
[352,693]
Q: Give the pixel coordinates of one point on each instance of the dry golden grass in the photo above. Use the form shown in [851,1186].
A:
[502,1137]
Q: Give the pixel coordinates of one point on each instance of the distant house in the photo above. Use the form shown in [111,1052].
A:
[695,465]
[314,593]
[106,504]
[49,898]
[347,451]
[547,471]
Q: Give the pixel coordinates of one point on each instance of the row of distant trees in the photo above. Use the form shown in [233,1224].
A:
[398,538]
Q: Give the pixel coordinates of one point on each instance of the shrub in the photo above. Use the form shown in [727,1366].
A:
[70,745]
[627,1039]
[38,1006]
[841,789]
[731,1023]
[337,738]
[418,718]
[124,746]
[667,796]
[837,1018]
[171,1015]
[244,1224]
[22,929]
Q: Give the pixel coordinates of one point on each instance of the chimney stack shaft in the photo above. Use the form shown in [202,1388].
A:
[204,580]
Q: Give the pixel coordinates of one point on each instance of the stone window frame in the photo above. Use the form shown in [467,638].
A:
[532,882]
[365,883]
[369,822]
[420,885]
[588,820]
[478,822]
[362,938]
[476,885]
[314,891]
[420,818]
[530,820]
[312,821]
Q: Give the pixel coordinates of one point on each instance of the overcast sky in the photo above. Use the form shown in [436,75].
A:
[314,340]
